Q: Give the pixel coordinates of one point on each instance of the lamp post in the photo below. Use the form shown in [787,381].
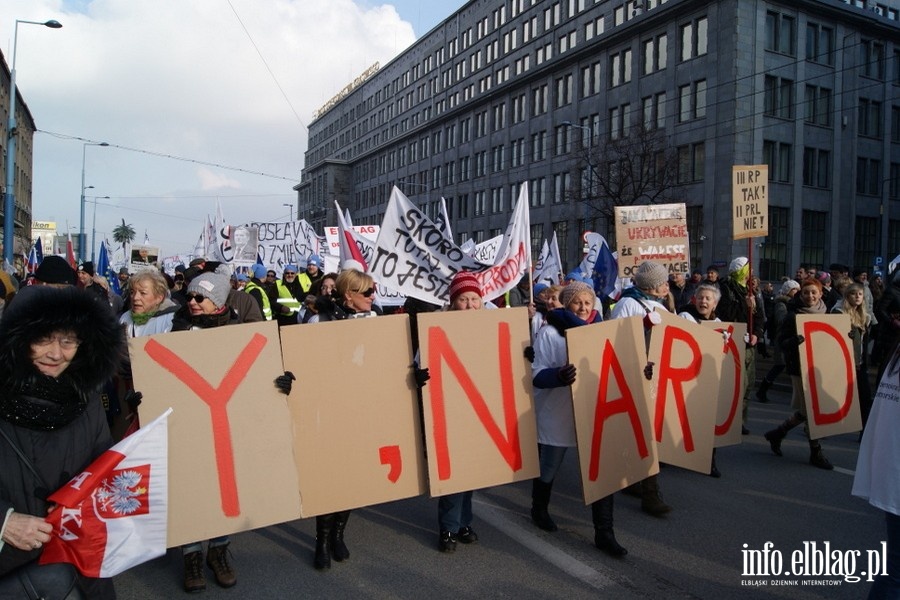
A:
[81,237]
[291,207]
[590,138]
[9,199]
[94,226]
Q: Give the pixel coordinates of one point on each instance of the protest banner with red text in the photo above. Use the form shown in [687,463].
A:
[687,363]
[355,413]
[828,374]
[654,232]
[612,416]
[480,429]
[232,464]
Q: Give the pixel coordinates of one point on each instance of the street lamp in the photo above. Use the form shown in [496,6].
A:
[590,138]
[291,207]
[94,226]
[81,237]
[9,200]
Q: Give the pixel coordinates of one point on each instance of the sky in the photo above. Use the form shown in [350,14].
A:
[198,100]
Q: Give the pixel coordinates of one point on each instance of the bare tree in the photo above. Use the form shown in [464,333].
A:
[638,168]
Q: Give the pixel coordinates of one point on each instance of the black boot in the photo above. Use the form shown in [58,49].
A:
[338,548]
[761,391]
[713,469]
[651,500]
[604,537]
[776,435]
[324,525]
[817,458]
[540,501]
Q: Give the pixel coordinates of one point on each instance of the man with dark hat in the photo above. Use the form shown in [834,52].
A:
[55,271]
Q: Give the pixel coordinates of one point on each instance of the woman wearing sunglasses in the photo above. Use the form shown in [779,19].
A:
[354,293]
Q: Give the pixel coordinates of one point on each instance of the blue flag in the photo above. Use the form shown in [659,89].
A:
[104,268]
[39,250]
[606,269]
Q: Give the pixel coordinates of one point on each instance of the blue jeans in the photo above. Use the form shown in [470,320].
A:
[455,511]
[887,587]
[550,459]
[198,546]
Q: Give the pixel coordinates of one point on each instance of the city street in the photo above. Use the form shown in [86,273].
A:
[694,552]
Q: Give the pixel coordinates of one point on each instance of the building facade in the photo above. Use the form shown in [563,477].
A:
[505,92]
[23,164]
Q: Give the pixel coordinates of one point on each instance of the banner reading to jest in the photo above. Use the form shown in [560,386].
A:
[656,232]
[414,257]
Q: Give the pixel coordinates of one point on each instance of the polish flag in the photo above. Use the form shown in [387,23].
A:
[70,253]
[113,515]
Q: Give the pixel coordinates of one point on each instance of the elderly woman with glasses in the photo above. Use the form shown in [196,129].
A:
[353,296]
[58,346]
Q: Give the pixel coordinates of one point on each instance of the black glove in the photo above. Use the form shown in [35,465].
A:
[648,371]
[800,339]
[529,353]
[566,374]
[285,382]
[133,399]
[421,376]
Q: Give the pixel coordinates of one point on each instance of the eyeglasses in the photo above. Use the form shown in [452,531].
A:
[367,293]
[286,273]
[198,298]
[65,342]
[270,274]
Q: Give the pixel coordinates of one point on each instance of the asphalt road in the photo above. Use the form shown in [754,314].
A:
[695,552]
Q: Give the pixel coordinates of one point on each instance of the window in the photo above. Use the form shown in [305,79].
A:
[819,44]
[539,100]
[563,90]
[620,68]
[563,140]
[500,117]
[779,33]
[561,229]
[562,182]
[695,235]
[537,146]
[778,156]
[590,80]
[497,200]
[691,160]
[774,253]
[895,123]
[869,123]
[866,235]
[517,153]
[692,101]
[497,158]
[816,167]
[537,238]
[694,39]
[871,59]
[619,117]
[813,237]
[655,54]
[536,188]
[818,105]
[894,184]
[519,107]
[779,97]
[868,176]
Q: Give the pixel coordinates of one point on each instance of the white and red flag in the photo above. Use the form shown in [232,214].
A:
[113,515]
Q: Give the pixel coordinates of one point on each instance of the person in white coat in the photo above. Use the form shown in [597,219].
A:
[552,376]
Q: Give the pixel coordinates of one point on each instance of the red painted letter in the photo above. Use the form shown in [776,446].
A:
[216,399]
[818,416]
[678,377]
[731,348]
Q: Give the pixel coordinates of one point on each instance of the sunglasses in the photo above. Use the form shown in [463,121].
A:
[367,293]
[289,273]
[198,298]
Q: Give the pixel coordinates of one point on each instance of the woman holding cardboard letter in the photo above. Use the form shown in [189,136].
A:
[553,375]
[807,302]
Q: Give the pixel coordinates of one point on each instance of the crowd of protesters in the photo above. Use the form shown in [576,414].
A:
[206,294]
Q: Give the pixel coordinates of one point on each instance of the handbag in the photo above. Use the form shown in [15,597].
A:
[57,581]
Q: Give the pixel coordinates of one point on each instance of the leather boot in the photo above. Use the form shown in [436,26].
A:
[217,560]
[817,457]
[651,500]
[775,436]
[339,550]
[324,524]
[762,390]
[194,581]
[540,501]
[713,469]
[604,536]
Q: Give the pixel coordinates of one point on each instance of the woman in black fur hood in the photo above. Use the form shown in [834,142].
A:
[57,347]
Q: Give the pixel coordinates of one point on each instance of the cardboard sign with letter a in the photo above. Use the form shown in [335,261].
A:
[231,467]
[480,427]
[612,418]
[357,432]
[731,383]
[687,364]
[828,373]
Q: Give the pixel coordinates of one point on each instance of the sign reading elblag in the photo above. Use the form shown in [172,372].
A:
[750,201]
[655,232]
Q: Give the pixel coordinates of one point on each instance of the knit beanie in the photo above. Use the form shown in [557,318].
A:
[87,267]
[55,269]
[650,275]
[739,270]
[260,271]
[211,285]
[787,286]
[573,289]
[462,282]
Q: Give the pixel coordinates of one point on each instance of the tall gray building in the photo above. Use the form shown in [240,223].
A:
[510,91]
